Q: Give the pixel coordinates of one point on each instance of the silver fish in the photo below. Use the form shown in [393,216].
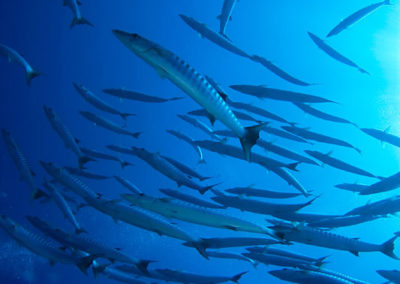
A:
[78,19]
[136,96]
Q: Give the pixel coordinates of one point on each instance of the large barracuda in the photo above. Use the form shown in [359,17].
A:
[101,155]
[180,73]
[382,136]
[157,162]
[333,53]
[26,174]
[99,103]
[13,55]
[41,246]
[186,277]
[256,192]
[354,187]
[108,124]
[190,199]
[336,163]
[193,214]
[383,185]
[308,276]
[70,142]
[217,243]
[78,19]
[226,15]
[133,216]
[382,207]
[356,16]
[136,96]
[301,233]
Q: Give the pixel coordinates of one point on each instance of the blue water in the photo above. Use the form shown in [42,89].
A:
[93,57]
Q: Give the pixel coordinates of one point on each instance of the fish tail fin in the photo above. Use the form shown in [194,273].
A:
[124,116]
[80,231]
[207,188]
[293,166]
[38,193]
[200,247]
[358,150]
[175,99]
[80,21]
[136,134]
[142,265]
[388,247]
[237,277]
[321,261]
[125,164]
[84,263]
[83,160]
[250,138]
[363,71]
[30,75]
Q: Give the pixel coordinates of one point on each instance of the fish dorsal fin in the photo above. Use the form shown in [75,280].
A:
[354,252]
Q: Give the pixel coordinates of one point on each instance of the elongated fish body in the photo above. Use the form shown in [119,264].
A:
[277,260]
[219,39]
[108,124]
[333,53]
[86,244]
[157,162]
[325,116]
[382,207]
[135,96]
[304,217]
[386,184]
[255,192]
[180,73]
[337,274]
[26,174]
[101,155]
[338,164]
[192,214]
[354,187]
[342,221]
[257,206]
[41,246]
[355,17]
[284,134]
[271,147]
[240,115]
[190,199]
[308,276]
[307,134]
[229,255]
[185,277]
[78,19]
[226,15]
[217,243]
[382,136]
[391,275]
[279,95]
[322,238]
[190,141]
[85,174]
[115,274]
[69,140]
[64,206]
[200,125]
[128,184]
[184,168]
[99,103]
[13,55]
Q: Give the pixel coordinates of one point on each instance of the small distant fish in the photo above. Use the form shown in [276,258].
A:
[200,125]
[108,124]
[336,163]
[190,199]
[82,173]
[185,169]
[354,187]
[382,136]
[218,243]
[13,55]
[317,113]
[78,19]
[186,277]
[238,114]
[391,275]
[277,260]
[129,185]
[226,15]
[98,102]
[255,192]
[101,155]
[333,53]
[355,17]
[262,92]
[70,142]
[385,184]
[190,141]
[135,96]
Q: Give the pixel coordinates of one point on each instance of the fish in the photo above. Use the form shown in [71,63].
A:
[70,142]
[226,15]
[108,124]
[97,102]
[157,162]
[355,17]
[333,53]
[255,192]
[277,260]
[262,92]
[192,214]
[382,207]
[307,276]
[304,217]
[129,185]
[342,221]
[384,185]
[170,66]
[200,125]
[218,243]
[101,155]
[391,275]
[78,19]
[382,136]
[185,169]
[240,115]
[13,55]
[339,275]
[19,159]
[186,277]
[114,274]
[284,134]
[89,245]
[136,96]
[338,164]
[82,173]
[190,199]
[354,187]
[230,255]
[323,115]
[303,234]
[306,133]
[190,141]
[61,203]
[42,246]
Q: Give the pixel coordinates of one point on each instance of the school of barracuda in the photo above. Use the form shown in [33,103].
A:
[199,201]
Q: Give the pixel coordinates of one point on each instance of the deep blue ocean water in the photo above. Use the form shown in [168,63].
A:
[93,57]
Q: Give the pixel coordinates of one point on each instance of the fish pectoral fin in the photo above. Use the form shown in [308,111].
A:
[355,253]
